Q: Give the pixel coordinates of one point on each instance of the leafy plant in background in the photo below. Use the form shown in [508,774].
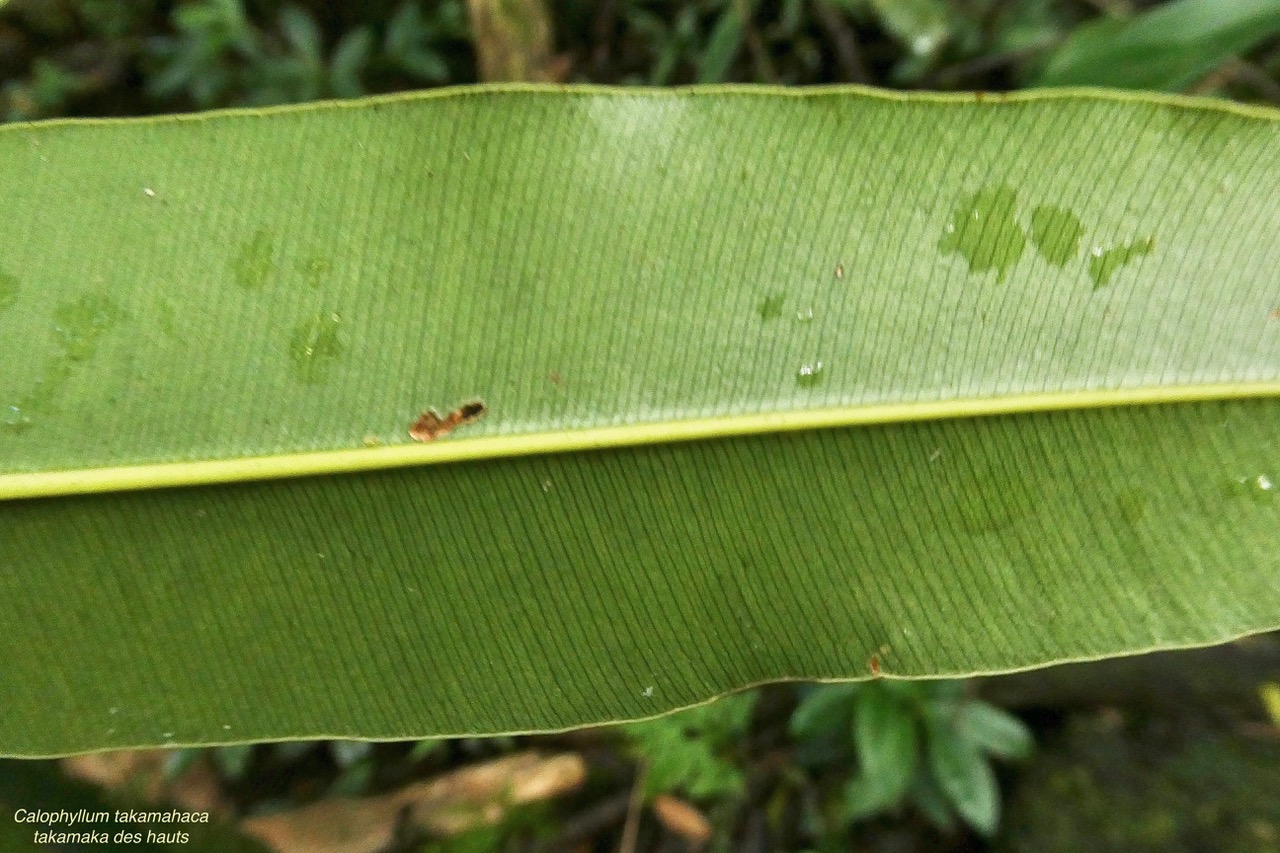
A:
[925,743]
[354,761]
[1168,48]
[212,53]
[216,51]
[46,92]
[223,53]
[98,40]
[691,751]
[218,55]
[414,40]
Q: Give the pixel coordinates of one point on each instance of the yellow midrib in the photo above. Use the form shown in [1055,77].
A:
[460,448]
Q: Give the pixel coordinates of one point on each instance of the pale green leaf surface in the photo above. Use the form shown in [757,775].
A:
[208,297]
[243,285]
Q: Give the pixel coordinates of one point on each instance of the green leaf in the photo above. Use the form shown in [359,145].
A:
[965,777]
[404,30]
[233,761]
[724,43]
[684,751]
[407,45]
[424,749]
[865,796]
[179,761]
[425,65]
[994,731]
[302,34]
[352,780]
[292,750]
[932,802]
[220,329]
[349,60]
[824,709]
[921,25]
[1169,47]
[886,736]
[348,752]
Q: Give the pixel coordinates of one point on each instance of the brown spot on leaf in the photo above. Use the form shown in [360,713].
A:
[839,270]
[470,412]
[429,426]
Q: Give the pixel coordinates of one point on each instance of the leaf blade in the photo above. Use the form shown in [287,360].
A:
[329,294]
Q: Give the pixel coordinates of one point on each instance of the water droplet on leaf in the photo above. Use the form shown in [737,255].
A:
[1259,488]
[315,347]
[80,324]
[254,263]
[314,270]
[1056,234]
[984,232]
[809,374]
[8,290]
[771,307]
[13,418]
[1105,262]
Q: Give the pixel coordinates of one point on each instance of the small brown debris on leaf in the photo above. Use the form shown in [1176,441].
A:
[471,411]
[429,426]
[683,819]
[874,664]
[839,270]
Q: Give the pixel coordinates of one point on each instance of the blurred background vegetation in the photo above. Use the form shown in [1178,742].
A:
[1164,752]
[106,57]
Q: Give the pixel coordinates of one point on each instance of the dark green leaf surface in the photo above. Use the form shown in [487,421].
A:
[547,592]
[607,268]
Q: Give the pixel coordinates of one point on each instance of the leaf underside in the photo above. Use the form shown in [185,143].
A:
[176,292]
